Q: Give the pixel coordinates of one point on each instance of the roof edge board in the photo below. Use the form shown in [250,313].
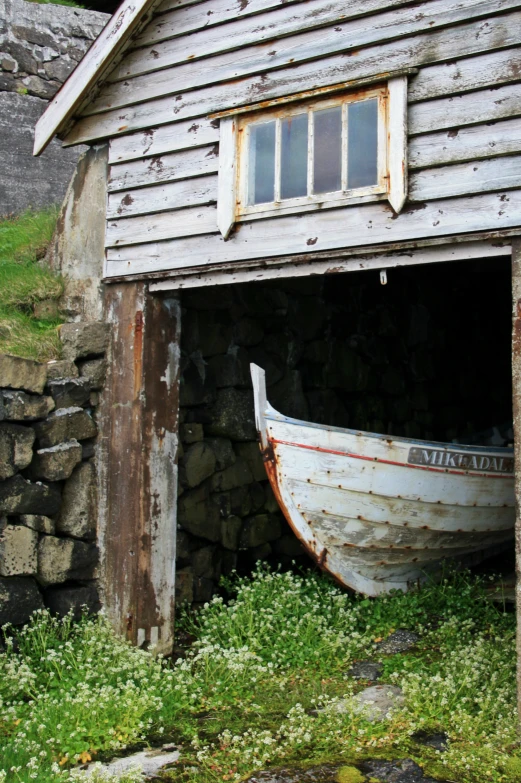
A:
[131,16]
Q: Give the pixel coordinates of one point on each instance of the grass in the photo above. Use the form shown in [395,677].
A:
[57,2]
[25,329]
[259,685]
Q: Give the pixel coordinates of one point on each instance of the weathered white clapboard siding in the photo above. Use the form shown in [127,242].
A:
[435,183]
[366,225]
[466,74]
[471,108]
[473,177]
[166,138]
[473,143]
[247,32]
[309,45]
[208,14]
[158,198]
[165,168]
[180,223]
[440,45]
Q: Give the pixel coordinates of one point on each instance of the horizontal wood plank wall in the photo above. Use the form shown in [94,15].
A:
[196,58]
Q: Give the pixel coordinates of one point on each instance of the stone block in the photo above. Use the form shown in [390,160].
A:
[70,392]
[185,545]
[19,598]
[258,530]
[18,496]
[58,370]
[19,406]
[289,546]
[199,463]
[61,559]
[307,318]
[75,599]
[272,365]
[208,298]
[39,523]
[203,589]
[63,425]
[184,586]
[215,333]
[18,551]
[78,514]
[257,496]
[231,368]
[251,454]
[203,562]
[198,515]
[229,561]
[196,386]
[232,415]
[223,502]
[223,450]
[230,532]
[247,332]
[270,503]
[237,475]
[240,501]
[17,373]
[57,462]
[95,371]
[261,552]
[85,339]
[346,370]
[16,448]
[288,397]
[191,433]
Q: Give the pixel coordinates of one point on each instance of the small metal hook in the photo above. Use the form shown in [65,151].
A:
[383,277]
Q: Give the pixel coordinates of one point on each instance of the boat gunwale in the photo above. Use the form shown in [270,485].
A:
[273,415]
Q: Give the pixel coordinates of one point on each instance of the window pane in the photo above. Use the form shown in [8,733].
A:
[294,156]
[362,143]
[261,164]
[327,163]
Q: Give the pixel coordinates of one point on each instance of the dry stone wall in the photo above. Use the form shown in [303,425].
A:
[48,500]
[39,47]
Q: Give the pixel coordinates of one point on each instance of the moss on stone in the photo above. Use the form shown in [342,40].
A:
[349,775]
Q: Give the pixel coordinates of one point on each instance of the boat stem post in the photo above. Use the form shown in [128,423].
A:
[516,399]
[258,377]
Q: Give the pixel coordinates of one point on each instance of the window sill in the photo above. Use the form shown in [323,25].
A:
[292,209]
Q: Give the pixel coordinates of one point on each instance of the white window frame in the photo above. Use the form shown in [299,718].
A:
[232,203]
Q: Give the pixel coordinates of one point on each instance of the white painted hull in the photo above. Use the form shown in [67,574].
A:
[381,513]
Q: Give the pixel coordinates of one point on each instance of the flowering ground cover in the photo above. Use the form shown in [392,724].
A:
[259,685]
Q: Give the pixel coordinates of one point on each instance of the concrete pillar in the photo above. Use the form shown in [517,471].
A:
[138,464]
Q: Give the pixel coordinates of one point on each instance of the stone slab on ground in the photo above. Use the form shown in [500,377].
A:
[366,670]
[148,762]
[19,598]
[398,642]
[402,771]
[20,406]
[438,741]
[325,773]
[374,703]
[25,374]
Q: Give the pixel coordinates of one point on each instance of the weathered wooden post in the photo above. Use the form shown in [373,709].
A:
[516,398]
[138,464]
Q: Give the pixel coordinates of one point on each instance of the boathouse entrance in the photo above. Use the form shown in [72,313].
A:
[426,355]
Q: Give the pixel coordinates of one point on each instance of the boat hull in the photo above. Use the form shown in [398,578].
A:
[382,513]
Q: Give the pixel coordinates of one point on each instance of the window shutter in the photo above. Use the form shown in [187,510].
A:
[226,196]
[397,141]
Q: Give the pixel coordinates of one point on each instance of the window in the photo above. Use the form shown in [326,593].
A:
[326,152]
[323,151]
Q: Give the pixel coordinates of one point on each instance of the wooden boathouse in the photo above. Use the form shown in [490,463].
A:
[247,141]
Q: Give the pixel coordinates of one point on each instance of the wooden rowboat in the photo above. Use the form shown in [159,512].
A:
[382,513]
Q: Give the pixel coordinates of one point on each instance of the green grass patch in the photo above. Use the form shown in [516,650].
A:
[57,2]
[261,683]
[28,328]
